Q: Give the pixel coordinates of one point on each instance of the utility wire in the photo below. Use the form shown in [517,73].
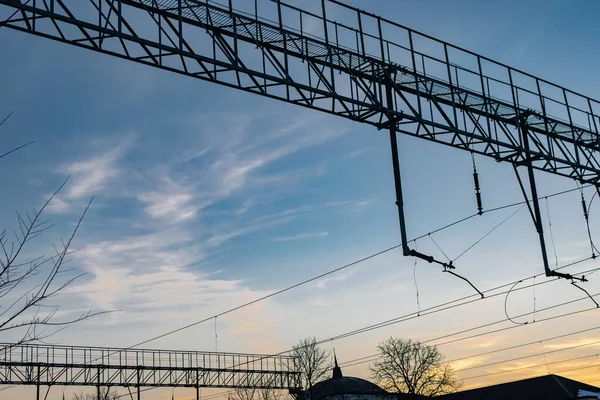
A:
[357,262]
[328,273]
[351,362]
[499,350]
[456,333]
[528,356]
[518,346]
[443,307]
[489,232]
[411,316]
[415,281]
[495,209]
[551,234]
[537,366]
[374,357]
[439,248]
[263,297]
[6,118]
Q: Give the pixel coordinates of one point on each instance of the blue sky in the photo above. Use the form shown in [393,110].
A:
[206,197]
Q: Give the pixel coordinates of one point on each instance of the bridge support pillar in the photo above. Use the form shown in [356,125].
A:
[37,386]
[397,176]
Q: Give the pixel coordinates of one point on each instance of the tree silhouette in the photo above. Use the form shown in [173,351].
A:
[407,366]
[28,282]
[314,362]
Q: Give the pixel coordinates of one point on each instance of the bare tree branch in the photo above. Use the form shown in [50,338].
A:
[314,363]
[407,366]
[106,393]
[28,282]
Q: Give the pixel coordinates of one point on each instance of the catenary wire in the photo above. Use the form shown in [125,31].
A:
[327,273]
[537,366]
[485,333]
[354,263]
[374,357]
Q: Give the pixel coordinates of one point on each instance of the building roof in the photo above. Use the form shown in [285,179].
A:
[549,387]
[339,384]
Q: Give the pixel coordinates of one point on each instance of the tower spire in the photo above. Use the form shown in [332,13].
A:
[337,371]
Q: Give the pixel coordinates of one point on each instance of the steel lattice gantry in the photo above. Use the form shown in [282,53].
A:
[99,366]
[362,67]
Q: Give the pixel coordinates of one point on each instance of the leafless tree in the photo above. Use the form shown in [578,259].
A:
[257,394]
[29,282]
[407,366]
[106,393]
[314,363]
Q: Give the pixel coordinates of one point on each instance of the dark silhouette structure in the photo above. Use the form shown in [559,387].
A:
[549,387]
[340,387]
[46,365]
[365,68]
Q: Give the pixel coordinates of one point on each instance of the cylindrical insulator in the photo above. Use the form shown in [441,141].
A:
[584,205]
[476,180]
[477,192]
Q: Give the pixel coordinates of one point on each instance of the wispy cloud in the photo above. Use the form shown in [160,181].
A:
[148,272]
[171,202]
[323,283]
[92,174]
[301,236]
[235,168]
[221,238]
[89,175]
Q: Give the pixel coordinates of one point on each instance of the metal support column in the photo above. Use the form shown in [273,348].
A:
[537,215]
[197,384]
[139,393]
[396,166]
[98,385]
[37,396]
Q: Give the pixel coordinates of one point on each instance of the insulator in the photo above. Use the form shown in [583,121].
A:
[479,204]
[584,205]
[477,191]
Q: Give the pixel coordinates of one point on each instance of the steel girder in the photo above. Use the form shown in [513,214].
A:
[216,43]
[97,366]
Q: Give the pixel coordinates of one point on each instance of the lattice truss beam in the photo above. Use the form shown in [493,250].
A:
[335,71]
[95,366]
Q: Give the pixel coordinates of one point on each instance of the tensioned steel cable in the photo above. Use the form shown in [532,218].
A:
[329,273]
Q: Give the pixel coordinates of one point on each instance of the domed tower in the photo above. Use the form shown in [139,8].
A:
[340,387]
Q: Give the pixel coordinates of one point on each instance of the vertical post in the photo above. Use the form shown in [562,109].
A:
[180,24]
[414,65]
[396,166]
[197,384]
[362,37]
[485,96]
[279,14]
[37,386]
[139,393]
[534,198]
[381,46]
[451,85]
[325,21]
[120,16]
[98,384]
[592,114]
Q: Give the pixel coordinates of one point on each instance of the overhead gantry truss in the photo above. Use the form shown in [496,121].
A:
[213,42]
[44,365]
[364,68]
